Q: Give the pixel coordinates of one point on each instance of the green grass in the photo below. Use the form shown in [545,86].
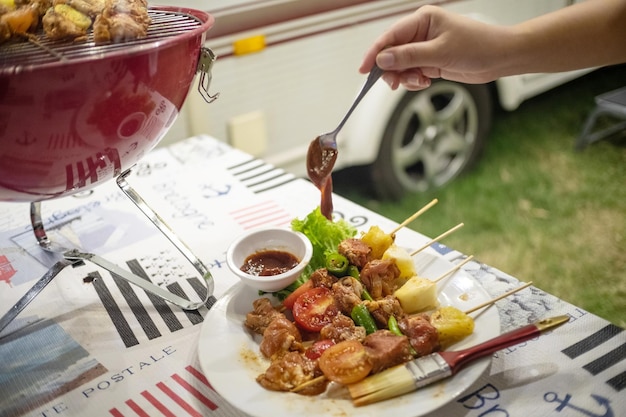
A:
[535,208]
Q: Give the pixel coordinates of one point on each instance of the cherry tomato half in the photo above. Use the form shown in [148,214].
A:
[346,362]
[291,298]
[314,351]
[314,309]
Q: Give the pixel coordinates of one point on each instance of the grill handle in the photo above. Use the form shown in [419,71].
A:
[205,64]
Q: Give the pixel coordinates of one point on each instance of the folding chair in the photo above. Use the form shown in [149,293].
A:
[612,103]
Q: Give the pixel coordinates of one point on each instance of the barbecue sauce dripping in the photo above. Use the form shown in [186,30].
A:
[319,163]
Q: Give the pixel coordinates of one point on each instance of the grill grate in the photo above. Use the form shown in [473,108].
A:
[41,50]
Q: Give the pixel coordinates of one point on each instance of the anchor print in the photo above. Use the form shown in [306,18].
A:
[213,190]
[27,140]
[552,397]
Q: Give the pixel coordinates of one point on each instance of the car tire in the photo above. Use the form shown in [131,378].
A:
[432,136]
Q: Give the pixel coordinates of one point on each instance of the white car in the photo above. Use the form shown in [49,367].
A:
[287,71]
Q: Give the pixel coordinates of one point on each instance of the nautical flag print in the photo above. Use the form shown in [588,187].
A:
[170,315]
[259,176]
[265,213]
[606,361]
[171,397]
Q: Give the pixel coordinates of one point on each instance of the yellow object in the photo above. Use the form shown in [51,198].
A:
[417,294]
[403,261]
[249,45]
[21,20]
[10,4]
[80,20]
[452,325]
[378,240]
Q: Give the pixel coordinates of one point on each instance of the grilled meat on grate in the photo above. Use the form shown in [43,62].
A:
[111,21]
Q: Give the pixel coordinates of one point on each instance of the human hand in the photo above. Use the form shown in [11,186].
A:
[435,43]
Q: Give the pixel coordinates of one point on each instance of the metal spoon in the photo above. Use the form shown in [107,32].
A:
[322,152]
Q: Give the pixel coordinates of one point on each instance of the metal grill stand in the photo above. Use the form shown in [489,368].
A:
[74,257]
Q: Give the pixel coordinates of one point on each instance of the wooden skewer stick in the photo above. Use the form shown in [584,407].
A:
[453,270]
[441,236]
[414,216]
[308,383]
[500,297]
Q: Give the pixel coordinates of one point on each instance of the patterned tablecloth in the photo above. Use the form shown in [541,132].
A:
[90,345]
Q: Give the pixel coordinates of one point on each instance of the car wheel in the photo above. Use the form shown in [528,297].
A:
[432,136]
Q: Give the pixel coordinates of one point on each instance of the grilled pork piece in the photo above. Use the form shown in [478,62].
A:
[121,20]
[384,308]
[347,293]
[385,349]
[357,252]
[322,278]
[261,316]
[379,276]
[342,328]
[280,336]
[291,370]
[422,335]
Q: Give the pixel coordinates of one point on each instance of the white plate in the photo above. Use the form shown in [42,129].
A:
[230,358]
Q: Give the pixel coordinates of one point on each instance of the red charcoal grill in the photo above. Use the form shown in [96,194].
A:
[76,114]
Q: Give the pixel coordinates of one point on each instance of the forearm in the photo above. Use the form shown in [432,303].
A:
[588,34]
[435,43]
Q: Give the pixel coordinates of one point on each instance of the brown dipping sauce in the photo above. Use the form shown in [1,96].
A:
[319,163]
[269,262]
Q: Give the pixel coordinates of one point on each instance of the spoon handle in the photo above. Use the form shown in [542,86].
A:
[373,76]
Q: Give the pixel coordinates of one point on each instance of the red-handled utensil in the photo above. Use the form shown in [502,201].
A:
[436,366]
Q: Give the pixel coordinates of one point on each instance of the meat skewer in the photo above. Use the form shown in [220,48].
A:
[321,378]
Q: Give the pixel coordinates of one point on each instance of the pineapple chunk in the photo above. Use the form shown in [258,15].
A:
[452,325]
[64,22]
[417,294]
[8,4]
[71,14]
[378,240]
[403,261]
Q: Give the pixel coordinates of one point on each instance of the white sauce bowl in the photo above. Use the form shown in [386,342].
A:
[264,239]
